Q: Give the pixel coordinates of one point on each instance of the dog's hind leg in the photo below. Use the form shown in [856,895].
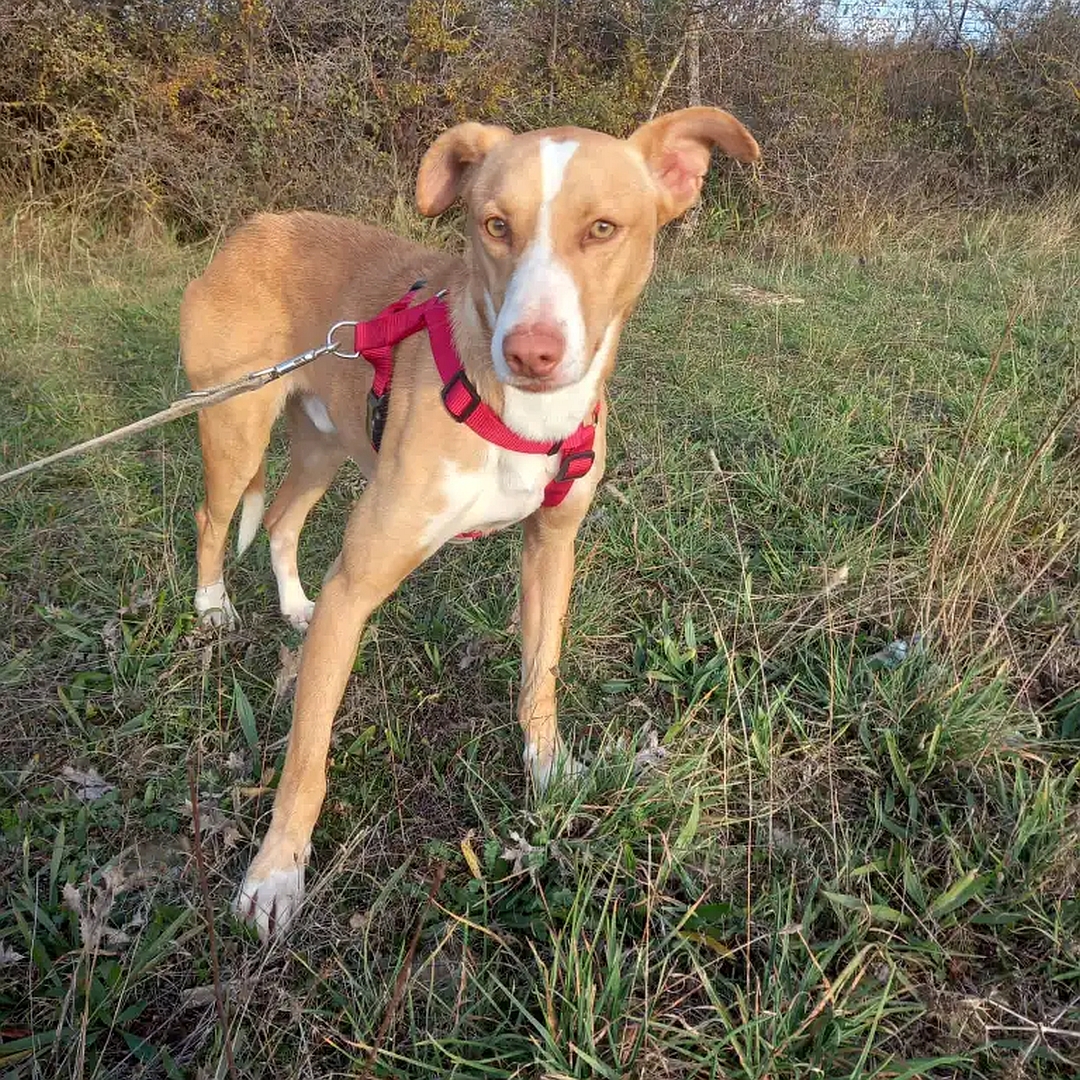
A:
[315,457]
[234,437]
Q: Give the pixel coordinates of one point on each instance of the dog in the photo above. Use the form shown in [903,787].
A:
[561,233]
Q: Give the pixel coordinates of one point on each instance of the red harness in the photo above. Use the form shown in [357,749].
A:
[375,341]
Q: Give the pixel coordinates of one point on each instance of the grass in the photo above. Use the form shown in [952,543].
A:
[799,850]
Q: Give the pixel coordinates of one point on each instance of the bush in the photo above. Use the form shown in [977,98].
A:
[202,112]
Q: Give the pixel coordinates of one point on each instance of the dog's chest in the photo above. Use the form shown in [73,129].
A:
[510,487]
[507,488]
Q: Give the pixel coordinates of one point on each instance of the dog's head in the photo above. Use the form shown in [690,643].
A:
[562,226]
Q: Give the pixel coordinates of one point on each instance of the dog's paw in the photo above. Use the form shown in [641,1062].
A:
[271,894]
[298,614]
[214,608]
[296,609]
[554,767]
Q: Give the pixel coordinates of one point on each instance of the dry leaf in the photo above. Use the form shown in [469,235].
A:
[470,858]
[708,940]
[197,997]
[94,913]
[835,578]
[88,786]
[289,668]
[254,792]
[9,956]
[213,820]
[518,854]
[650,755]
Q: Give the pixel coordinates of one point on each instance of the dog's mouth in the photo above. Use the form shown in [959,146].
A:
[544,384]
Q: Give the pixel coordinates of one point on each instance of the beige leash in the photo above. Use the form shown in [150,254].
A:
[192,402]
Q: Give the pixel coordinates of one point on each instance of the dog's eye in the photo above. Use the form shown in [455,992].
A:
[601,230]
[497,227]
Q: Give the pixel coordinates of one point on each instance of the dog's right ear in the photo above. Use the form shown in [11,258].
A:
[445,165]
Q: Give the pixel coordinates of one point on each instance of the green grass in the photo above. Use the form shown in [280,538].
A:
[792,857]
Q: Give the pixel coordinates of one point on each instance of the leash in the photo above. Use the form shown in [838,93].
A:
[194,401]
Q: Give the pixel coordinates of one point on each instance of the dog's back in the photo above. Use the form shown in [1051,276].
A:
[280,280]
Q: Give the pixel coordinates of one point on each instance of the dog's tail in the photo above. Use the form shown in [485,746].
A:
[251,511]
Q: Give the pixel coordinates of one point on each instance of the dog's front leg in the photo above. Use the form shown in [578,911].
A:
[381,548]
[547,572]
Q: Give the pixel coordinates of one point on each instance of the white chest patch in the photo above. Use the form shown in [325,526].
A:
[506,489]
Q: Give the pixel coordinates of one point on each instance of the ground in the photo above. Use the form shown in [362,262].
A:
[823,662]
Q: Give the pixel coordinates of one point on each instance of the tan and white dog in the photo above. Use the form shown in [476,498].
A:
[561,232]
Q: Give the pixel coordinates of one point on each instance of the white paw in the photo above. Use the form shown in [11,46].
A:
[293,603]
[553,767]
[214,608]
[270,901]
[299,612]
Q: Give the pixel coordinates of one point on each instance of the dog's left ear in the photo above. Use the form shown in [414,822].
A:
[677,147]
[445,165]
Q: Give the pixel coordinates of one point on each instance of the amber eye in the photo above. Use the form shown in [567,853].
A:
[601,230]
[496,226]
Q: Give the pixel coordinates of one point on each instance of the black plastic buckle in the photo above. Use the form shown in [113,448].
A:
[564,466]
[475,402]
[376,417]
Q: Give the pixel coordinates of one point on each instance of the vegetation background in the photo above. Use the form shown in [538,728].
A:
[200,112]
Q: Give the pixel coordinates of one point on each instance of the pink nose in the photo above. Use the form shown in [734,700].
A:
[534,351]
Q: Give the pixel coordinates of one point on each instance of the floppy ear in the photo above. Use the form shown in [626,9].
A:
[444,166]
[677,147]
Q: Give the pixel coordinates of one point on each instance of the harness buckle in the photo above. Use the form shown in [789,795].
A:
[376,417]
[575,466]
[459,378]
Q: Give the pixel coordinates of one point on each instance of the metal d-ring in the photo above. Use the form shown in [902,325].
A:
[333,346]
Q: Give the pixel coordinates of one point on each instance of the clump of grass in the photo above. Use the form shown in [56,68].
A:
[831,819]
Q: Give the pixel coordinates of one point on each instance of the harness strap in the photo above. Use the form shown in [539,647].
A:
[375,341]
[576,460]
[376,338]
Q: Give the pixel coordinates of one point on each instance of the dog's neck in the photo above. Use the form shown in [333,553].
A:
[540,416]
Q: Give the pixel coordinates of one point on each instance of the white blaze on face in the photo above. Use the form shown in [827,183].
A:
[541,289]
